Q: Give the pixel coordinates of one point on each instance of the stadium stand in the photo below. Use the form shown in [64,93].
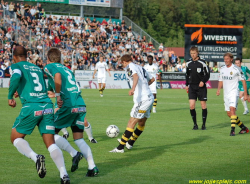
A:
[81,40]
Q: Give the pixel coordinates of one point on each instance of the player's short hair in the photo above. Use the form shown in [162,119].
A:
[229,54]
[194,48]
[150,57]
[126,58]
[238,59]
[54,55]
[20,51]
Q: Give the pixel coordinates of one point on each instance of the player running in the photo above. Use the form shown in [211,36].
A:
[230,75]
[143,101]
[101,67]
[72,110]
[153,69]
[245,70]
[27,79]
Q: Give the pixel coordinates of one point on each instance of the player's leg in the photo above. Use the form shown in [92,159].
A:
[152,88]
[244,102]
[137,132]
[25,124]
[193,113]
[126,135]
[88,130]
[155,103]
[202,96]
[234,118]
[47,130]
[138,112]
[100,87]
[64,130]
[64,117]
[204,114]
[103,84]
[147,106]
[192,95]
[77,129]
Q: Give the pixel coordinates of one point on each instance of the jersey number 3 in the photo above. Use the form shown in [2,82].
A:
[39,86]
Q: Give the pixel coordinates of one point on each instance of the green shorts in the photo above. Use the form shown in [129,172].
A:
[70,116]
[242,89]
[32,114]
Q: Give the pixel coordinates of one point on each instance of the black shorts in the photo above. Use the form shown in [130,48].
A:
[195,92]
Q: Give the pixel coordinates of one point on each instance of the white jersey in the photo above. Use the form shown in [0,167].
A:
[152,69]
[142,91]
[101,67]
[231,77]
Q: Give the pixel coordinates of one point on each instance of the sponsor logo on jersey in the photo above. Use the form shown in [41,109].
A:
[38,94]
[50,127]
[48,111]
[78,110]
[80,123]
[227,78]
[199,70]
[142,111]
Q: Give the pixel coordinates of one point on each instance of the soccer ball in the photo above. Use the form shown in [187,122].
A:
[112,131]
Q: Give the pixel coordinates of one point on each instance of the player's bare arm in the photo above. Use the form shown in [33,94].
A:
[245,89]
[108,72]
[58,84]
[159,76]
[135,81]
[94,74]
[151,81]
[220,84]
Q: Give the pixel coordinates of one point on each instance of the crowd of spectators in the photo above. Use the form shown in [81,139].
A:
[81,41]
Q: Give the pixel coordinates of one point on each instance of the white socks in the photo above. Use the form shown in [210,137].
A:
[88,131]
[57,157]
[86,151]
[244,104]
[24,148]
[64,145]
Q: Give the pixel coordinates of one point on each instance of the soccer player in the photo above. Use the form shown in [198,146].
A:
[143,101]
[101,67]
[230,75]
[72,110]
[245,70]
[153,70]
[27,79]
[197,74]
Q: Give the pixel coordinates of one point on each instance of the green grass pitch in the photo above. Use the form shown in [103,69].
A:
[167,152]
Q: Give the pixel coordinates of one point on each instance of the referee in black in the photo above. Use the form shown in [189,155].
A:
[197,74]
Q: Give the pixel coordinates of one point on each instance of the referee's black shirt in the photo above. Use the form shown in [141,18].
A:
[196,71]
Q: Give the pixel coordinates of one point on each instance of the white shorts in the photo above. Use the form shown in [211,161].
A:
[152,88]
[102,80]
[142,109]
[230,101]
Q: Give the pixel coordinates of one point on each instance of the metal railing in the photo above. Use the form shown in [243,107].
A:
[137,30]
